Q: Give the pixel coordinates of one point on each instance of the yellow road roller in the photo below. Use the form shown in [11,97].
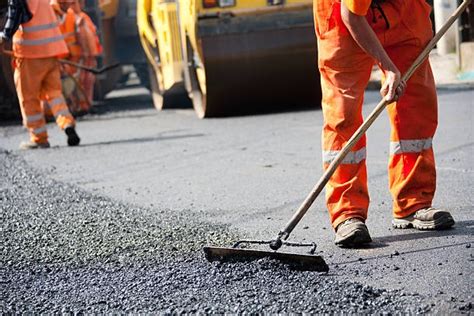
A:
[230,57]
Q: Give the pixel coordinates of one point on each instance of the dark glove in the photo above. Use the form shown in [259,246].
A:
[18,13]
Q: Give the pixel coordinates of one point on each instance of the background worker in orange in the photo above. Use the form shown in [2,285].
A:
[36,44]
[83,43]
[90,49]
[67,25]
[352,36]
[75,95]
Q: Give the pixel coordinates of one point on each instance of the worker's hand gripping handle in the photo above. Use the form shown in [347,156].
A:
[285,233]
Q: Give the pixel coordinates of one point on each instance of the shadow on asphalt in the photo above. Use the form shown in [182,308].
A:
[110,116]
[143,100]
[142,140]
[404,253]
[460,228]
[454,149]
[123,103]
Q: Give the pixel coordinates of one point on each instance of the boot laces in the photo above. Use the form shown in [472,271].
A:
[426,210]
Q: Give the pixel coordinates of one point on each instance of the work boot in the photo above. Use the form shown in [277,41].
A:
[72,137]
[352,233]
[33,145]
[428,218]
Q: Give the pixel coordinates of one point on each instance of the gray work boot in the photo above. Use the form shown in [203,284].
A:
[425,219]
[352,233]
[33,145]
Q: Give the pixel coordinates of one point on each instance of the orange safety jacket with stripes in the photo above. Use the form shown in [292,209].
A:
[92,46]
[40,37]
[70,31]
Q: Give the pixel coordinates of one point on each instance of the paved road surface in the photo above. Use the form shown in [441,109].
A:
[243,177]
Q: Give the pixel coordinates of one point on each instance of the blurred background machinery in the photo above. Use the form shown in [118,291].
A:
[223,57]
[116,21]
[230,56]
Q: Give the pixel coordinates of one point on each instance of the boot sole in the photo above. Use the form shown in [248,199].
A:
[30,147]
[356,239]
[443,222]
[73,141]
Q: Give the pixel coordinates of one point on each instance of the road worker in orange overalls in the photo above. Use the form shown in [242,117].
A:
[66,23]
[352,36]
[91,48]
[37,42]
[83,43]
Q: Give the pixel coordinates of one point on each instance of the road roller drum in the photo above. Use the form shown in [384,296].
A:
[231,57]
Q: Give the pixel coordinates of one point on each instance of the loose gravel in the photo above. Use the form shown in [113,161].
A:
[67,250]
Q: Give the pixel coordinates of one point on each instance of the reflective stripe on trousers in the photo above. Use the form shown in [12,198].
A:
[55,102]
[353,157]
[33,118]
[58,108]
[63,112]
[39,130]
[410,146]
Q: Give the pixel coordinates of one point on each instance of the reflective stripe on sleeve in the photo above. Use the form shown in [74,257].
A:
[34,118]
[37,28]
[39,130]
[31,42]
[353,157]
[410,146]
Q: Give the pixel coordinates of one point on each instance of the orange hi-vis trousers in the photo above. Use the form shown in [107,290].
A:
[39,79]
[345,71]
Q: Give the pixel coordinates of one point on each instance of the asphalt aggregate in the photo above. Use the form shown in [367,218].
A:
[65,250]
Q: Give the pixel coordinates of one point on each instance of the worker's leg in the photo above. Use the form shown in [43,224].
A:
[51,86]
[46,109]
[345,71]
[412,172]
[28,77]
[346,192]
[87,81]
[83,92]
[414,118]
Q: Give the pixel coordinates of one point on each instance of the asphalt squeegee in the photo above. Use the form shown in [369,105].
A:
[95,71]
[312,262]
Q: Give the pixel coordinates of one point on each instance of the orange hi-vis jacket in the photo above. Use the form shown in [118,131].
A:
[69,29]
[40,37]
[92,45]
[79,31]
[67,25]
[403,27]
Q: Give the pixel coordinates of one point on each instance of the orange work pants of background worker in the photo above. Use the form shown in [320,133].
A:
[36,79]
[345,71]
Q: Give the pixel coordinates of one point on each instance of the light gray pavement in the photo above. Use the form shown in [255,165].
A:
[252,172]
[446,73]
